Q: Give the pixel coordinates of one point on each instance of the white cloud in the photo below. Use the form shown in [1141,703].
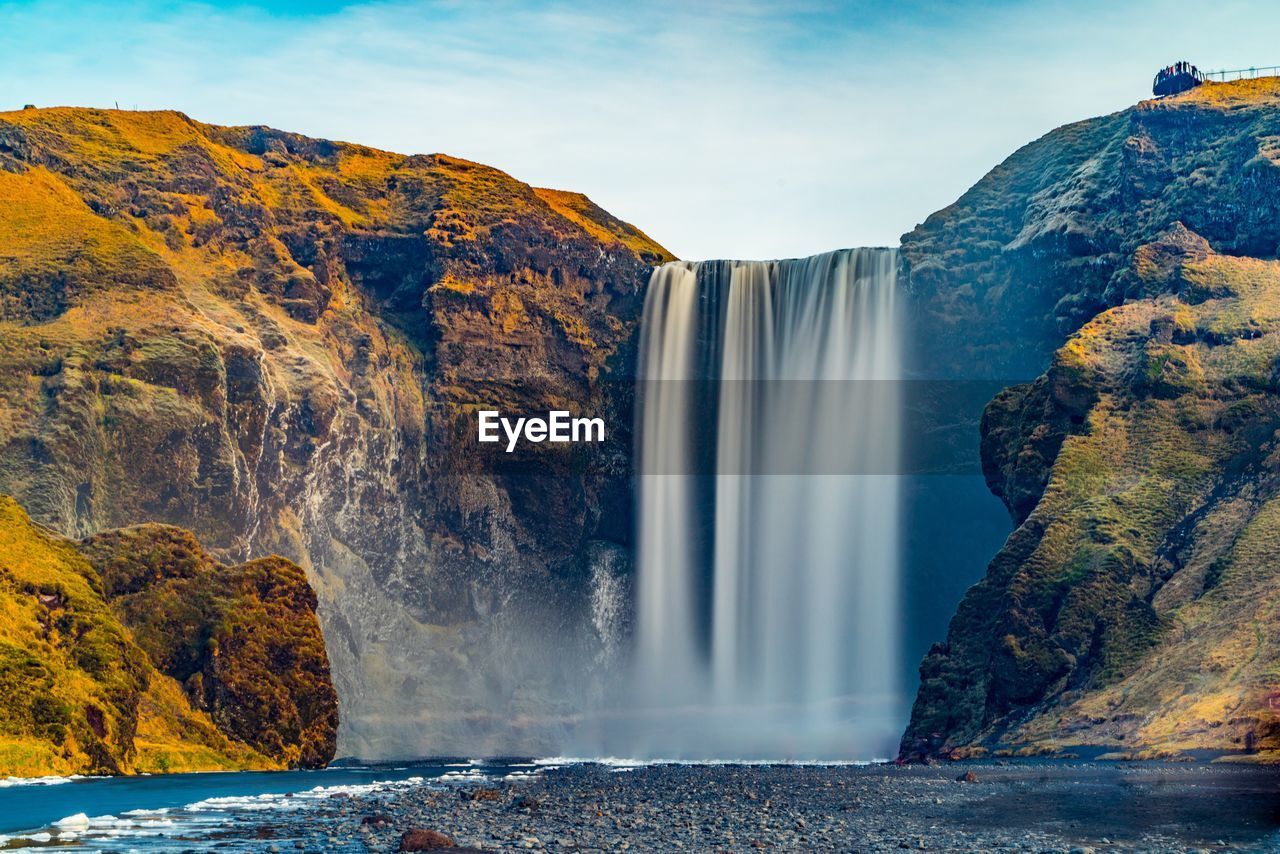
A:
[727,129]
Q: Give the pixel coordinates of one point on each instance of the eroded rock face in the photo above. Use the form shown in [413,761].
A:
[1130,607]
[278,343]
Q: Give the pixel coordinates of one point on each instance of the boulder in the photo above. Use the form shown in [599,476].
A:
[424,839]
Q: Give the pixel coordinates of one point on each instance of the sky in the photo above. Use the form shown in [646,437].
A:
[722,128]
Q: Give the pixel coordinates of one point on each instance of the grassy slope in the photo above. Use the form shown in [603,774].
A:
[137,249]
[1133,606]
[79,695]
[1161,517]
[601,224]
[1042,241]
[243,640]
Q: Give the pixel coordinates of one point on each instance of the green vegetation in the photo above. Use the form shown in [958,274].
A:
[1132,608]
[134,651]
[1052,236]
[1133,254]
[169,284]
[602,225]
[242,640]
[53,248]
[77,694]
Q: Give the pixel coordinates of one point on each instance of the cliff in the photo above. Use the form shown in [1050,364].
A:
[1044,241]
[276,342]
[243,640]
[86,689]
[1131,262]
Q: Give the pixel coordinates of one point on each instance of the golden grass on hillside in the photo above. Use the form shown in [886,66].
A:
[600,224]
[77,695]
[1209,678]
[311,304]
[1250,91]
[102,133]
[46,227]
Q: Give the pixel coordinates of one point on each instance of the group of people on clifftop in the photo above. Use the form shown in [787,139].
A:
[1176,78]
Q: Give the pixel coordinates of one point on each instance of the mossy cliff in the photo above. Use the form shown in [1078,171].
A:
[87,687]
[1133,607]
[243,640]
[276,342]
[1045,240]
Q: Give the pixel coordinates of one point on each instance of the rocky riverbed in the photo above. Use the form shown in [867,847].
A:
[1038,807]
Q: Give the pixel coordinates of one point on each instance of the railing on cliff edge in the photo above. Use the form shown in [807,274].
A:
[1224,75]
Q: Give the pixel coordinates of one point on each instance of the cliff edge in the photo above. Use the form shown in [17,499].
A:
[1132,262]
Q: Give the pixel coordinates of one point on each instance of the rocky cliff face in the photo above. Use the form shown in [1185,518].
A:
[277,342]
[243,641]
[1045,241]
[1134,257]
[90,678]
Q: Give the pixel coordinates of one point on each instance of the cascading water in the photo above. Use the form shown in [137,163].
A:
[767,600]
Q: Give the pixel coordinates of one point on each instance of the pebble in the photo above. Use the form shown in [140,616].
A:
[788,808]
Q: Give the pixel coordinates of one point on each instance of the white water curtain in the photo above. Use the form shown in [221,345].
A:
[783,642]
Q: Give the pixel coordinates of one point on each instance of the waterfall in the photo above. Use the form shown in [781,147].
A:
[767,588]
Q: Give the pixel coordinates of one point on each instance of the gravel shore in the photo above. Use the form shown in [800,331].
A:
[1074,807]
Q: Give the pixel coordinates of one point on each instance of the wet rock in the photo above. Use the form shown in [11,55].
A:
[696,808]
[527,802]
[425,839]
[481,794]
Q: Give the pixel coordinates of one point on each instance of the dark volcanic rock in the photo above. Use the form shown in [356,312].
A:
[1032,806]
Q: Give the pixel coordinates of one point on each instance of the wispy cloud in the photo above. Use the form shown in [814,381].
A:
[732,128]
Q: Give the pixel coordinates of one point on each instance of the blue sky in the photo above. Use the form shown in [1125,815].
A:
[724,128]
